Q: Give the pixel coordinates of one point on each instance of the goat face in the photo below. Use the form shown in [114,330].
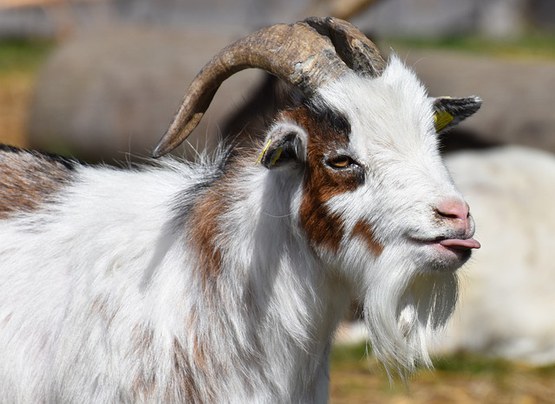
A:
[377,205]
[372,172]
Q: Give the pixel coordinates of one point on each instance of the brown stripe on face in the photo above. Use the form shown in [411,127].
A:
[363,230]
[321,183]
[29,179]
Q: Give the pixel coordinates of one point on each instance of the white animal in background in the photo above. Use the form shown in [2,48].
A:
[508,290]
[223,280]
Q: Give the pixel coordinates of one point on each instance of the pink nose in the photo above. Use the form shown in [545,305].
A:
[454,209]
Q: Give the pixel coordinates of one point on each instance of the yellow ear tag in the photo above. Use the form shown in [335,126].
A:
[275,157]
[442,119]
[263,152]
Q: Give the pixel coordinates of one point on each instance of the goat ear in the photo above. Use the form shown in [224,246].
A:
[448,111]
[285,144]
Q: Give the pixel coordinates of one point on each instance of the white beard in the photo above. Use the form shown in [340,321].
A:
[403,306]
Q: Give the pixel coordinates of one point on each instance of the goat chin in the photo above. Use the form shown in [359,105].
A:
[403,306]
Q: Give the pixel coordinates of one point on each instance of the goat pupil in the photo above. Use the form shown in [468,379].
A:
[340,162]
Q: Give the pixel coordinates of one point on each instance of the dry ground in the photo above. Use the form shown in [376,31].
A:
[462,379]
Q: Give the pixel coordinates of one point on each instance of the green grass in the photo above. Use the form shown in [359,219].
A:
[464,363]
[348,354]
[23,55]
[530,45]
[471,364]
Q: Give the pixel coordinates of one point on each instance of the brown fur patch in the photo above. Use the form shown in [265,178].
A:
[29,179]
[182,376]
[322,183]
[199,346]
[204,229]
[199,352]
[214,200]
[363,230]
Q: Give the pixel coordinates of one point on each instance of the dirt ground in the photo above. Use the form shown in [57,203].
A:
[462,379]
[519,387]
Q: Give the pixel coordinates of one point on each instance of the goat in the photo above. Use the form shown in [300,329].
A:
[223,280]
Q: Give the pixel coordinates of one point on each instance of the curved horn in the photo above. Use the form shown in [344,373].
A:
[352,46]
[295,53]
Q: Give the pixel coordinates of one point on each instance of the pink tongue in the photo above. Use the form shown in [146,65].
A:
[459,243]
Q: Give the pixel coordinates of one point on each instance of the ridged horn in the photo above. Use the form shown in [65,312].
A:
[352,46]
[296,53]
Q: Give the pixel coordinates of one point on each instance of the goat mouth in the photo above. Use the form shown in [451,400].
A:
[446,253]
[459,244]
[455,247]
[450,243]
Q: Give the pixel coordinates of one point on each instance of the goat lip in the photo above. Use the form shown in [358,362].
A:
[451,243]
[460,244]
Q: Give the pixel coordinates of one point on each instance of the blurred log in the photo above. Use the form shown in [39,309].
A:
[109,93]
[104,96]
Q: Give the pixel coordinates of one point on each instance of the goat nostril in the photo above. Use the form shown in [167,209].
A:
[447,215]
[453,209]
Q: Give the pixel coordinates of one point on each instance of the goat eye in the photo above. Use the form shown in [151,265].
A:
[340,162]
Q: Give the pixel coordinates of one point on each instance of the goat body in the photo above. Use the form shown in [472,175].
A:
[153,284]
[223,280]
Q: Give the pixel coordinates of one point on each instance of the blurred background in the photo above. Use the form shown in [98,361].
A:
[101,79]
